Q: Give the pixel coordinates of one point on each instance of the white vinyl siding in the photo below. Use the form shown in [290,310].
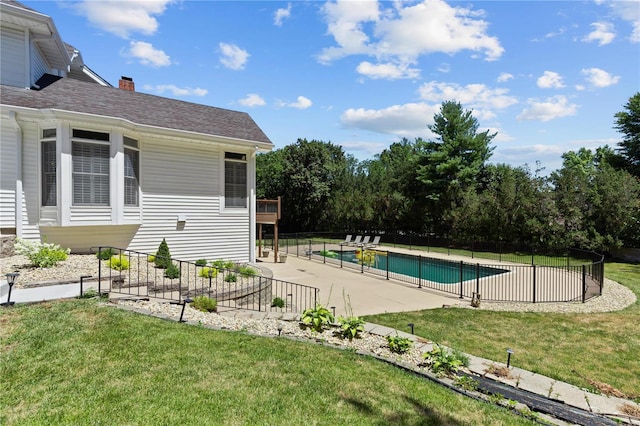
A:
[8,170]
[13,67]
[39,66]
[91,186]
[177,178]
[235,180]
[180,178]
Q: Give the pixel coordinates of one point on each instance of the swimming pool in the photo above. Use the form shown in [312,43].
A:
[425,268]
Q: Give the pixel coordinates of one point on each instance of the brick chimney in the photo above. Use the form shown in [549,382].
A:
[126,83]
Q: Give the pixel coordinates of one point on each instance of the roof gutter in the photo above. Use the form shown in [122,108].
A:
[161,131]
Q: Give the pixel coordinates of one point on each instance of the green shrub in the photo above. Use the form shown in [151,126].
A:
[444,362]
[231,278]
[399,345]
[201,262]
[278,302]
[466,382]
[172,271]
[204,272]
[119,262]
[247,271]
[90,293]
[163,256]
[205,304]
[105,254]
[317,318]
[351,327]
[41,255]
[223,264]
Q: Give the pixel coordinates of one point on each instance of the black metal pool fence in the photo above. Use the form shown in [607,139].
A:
[231,286]
[571,275]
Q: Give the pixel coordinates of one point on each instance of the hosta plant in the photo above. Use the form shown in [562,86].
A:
[399,344]
[351,327]
[317,318]
[444,362]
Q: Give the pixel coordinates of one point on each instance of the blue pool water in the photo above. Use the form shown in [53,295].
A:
[436,270]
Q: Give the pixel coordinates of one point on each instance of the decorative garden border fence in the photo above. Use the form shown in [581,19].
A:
[232,289]
[576,277]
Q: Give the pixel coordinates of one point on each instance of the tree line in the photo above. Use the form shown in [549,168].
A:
[446,187]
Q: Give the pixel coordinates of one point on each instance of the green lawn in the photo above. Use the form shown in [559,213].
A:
[602,347]
[74,362]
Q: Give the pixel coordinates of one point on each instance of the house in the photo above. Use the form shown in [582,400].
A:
[84,164]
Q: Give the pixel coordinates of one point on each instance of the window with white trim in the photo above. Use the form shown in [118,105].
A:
[90,154]
[131,172]
[235,180]
[49,167]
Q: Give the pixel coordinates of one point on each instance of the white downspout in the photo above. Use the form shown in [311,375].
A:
[19,191]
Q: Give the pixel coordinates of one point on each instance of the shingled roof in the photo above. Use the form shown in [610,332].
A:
[73,95]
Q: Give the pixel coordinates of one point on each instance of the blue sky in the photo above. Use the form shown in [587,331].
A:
[548,76]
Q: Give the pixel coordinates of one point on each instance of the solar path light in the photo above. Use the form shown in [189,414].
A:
[11,280]
[509,352]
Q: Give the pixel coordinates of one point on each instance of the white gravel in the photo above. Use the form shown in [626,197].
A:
[368,342]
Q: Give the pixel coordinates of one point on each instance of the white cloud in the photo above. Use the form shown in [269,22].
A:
[504,76]
[146,54]
[175,90]
[368,148]
[501,135]
[553,34]
[549,155]
[550,80]
[630,12]
[281,14]
[409,120]
[301,103]
[599,78]
[233,57]
[444,67]
[124,17]
[387,71]
[252,100]
[551,108]
[603,33]
[470,96]
[400,34]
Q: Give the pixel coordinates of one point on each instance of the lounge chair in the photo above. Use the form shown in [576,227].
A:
[346,241]
[357,241]
[365,241]
[374,243]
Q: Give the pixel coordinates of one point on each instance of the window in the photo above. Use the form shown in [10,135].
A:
[235,180]
[49,166]
[90,152]
[131,171]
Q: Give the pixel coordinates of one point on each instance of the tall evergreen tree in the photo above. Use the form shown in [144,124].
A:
[450,165]
[628,123]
